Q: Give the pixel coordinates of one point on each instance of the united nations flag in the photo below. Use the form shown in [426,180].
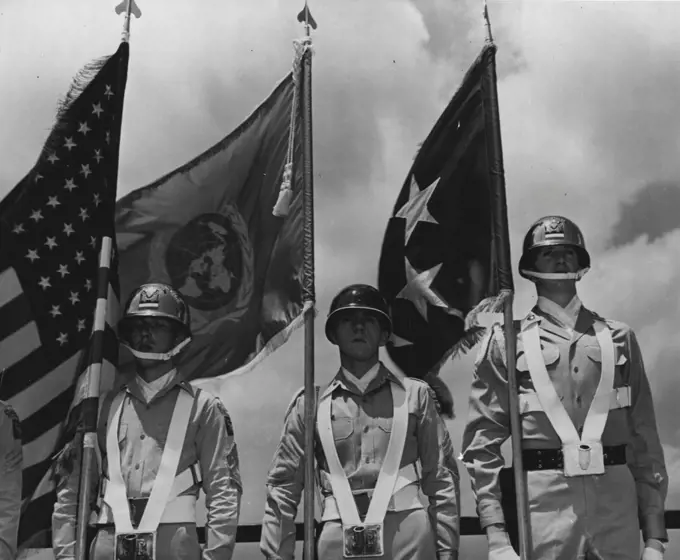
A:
[208,229]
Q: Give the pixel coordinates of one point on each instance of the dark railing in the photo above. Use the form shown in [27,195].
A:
[469,526]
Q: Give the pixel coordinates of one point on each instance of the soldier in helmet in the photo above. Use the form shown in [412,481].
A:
[10,480]
[161,441]
[378,451]
[594,465]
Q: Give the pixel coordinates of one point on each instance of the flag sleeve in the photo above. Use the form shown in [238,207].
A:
[486,429]
[10,482]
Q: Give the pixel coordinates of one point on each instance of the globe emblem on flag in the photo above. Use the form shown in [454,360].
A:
[205,260]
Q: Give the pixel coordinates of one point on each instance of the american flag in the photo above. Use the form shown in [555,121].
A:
[51,225]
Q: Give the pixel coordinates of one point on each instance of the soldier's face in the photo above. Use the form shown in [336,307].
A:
[557,259]
[359,334]
[152,334]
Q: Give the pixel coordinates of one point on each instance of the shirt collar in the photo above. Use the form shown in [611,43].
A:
[341,380]
[565,316]
[363,382]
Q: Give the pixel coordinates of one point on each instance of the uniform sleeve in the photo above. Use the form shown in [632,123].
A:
[488,426]
[438,481]
[68,465]
[218,460]
[646,461]
[10,482]
[285,482]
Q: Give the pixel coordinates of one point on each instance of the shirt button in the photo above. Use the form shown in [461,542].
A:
[578,401]
[576,369]
[366,429]
[137,467]
[368,460]
[142,436]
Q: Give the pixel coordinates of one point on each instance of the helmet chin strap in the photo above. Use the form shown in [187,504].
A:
[158,357]
[533,275]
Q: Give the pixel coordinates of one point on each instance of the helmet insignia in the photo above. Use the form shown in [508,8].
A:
[554,227]
[150,298]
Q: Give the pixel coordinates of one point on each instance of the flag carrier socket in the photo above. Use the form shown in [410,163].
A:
[362,541]
[136,546]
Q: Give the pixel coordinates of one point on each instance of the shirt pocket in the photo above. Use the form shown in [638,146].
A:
[594,354]
[550,352]
[343,427]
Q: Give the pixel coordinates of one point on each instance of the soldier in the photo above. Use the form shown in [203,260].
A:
[162,441]
[591,451]
[378,438]
[10,480]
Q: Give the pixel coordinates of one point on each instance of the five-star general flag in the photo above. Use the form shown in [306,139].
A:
[51,226]
[208,229]
[440,255]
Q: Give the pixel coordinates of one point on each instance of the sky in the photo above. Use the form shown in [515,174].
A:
[590,127]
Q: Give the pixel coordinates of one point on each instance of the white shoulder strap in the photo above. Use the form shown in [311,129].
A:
[390,467]
[550,401]
[117,493]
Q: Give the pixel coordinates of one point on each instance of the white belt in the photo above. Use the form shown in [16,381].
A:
[406,495]
[180,509]
[619,398]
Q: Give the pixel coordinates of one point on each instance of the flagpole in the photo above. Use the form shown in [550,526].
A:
[309,295]
[502,247]
[90,404]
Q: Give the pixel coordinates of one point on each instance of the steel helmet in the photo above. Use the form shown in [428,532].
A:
[359,296]
[548,232]
[156,300]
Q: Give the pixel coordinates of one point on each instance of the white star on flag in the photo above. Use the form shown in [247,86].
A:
[97,109]
[70,144]
[398,342]
[68,230]
[84,128]
[418,291]
[53,201]
[415,210]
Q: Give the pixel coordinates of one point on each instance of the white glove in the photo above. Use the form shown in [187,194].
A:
[508,553]
[500,547]
[651,554]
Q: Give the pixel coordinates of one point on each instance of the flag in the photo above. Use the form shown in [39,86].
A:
[208,229]
[51,225]
[441,252]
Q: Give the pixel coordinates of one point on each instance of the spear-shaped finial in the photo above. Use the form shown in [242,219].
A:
[487,24]
[305,16]
[128,7]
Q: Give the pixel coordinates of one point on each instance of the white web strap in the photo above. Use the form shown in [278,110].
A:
[116,491]
[389,471]
[550,401]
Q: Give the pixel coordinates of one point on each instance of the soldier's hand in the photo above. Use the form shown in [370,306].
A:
[11,461]
[651,554]
[504,553]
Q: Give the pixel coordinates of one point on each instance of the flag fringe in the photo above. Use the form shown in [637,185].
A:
[213,384]
[474,330]
[78,85]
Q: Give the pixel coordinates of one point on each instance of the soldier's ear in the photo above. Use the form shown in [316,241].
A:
[384,337]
